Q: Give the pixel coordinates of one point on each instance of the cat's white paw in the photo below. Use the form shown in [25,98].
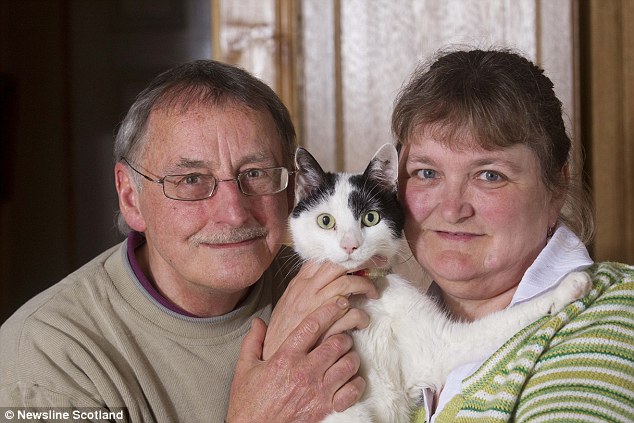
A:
[574,286]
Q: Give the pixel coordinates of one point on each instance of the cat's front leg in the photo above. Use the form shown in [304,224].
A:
[573,287]
[506,323]
[467,342]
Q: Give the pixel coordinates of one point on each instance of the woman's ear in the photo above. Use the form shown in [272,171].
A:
[559,196]
[128,197]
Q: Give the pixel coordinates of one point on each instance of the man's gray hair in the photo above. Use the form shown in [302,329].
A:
[205,82]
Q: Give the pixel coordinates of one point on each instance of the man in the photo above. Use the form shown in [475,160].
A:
[159,324]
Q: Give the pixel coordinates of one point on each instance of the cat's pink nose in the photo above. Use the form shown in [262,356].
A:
[349,248]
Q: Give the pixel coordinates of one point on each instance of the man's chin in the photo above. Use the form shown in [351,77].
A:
[237,276]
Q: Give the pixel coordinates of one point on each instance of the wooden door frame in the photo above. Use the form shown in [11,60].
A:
[607,95]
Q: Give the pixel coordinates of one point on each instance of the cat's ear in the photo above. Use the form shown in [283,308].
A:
[383,167]
[309,175]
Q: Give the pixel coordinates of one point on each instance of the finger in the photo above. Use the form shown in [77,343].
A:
[348,285]
[313,276]
[306,335]
[252,344]
[329,353]
[342,370]
[349,394]
[354,319]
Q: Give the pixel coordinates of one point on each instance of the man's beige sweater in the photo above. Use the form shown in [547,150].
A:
[97,339]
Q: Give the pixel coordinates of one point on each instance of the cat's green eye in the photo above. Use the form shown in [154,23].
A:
[326,221]
[371,218]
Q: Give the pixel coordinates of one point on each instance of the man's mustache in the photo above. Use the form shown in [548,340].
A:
[229,236]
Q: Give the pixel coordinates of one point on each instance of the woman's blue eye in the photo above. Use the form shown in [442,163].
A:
[490,176]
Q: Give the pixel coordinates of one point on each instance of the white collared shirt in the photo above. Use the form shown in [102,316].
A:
[564,253]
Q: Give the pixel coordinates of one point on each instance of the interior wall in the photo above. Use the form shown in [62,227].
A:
[376,48]
[36,213]
[117,48]
[78,66]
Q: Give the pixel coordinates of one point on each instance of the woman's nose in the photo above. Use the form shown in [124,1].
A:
[456,204]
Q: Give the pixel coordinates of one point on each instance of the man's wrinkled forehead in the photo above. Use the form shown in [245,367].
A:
[207,124]
[194,116]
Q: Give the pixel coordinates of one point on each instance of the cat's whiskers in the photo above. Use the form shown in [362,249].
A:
[403,255]
[289,265]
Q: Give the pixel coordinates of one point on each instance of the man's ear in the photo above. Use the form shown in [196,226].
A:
[290,193]
[128,197]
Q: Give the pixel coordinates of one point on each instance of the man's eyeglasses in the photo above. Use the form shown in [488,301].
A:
[198,186]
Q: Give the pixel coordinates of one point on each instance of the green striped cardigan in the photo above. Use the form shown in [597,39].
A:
[577,366]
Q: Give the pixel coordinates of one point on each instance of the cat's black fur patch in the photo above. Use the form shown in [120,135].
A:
[317,195]
[367,195]
[370,195]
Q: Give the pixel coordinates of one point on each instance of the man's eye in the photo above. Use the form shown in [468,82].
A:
[426,174]
[254,173]
[191,179]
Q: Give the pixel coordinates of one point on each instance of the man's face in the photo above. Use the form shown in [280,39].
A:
[193,246]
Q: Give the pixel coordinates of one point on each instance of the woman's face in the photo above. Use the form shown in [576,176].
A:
[475,219]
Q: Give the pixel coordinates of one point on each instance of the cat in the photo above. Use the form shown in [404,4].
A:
[410,343]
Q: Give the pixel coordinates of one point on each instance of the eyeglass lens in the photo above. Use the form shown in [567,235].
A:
[252,182]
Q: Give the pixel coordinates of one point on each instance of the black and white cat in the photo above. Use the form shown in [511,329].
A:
[410,343]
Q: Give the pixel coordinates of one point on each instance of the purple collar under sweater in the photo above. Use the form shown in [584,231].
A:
[135,240]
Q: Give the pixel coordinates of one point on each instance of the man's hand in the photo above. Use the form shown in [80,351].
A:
[314,285]
[304,380]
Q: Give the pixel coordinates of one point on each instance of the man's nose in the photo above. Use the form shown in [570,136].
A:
[231,205]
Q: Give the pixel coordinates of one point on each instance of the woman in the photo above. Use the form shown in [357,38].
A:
[494,216]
